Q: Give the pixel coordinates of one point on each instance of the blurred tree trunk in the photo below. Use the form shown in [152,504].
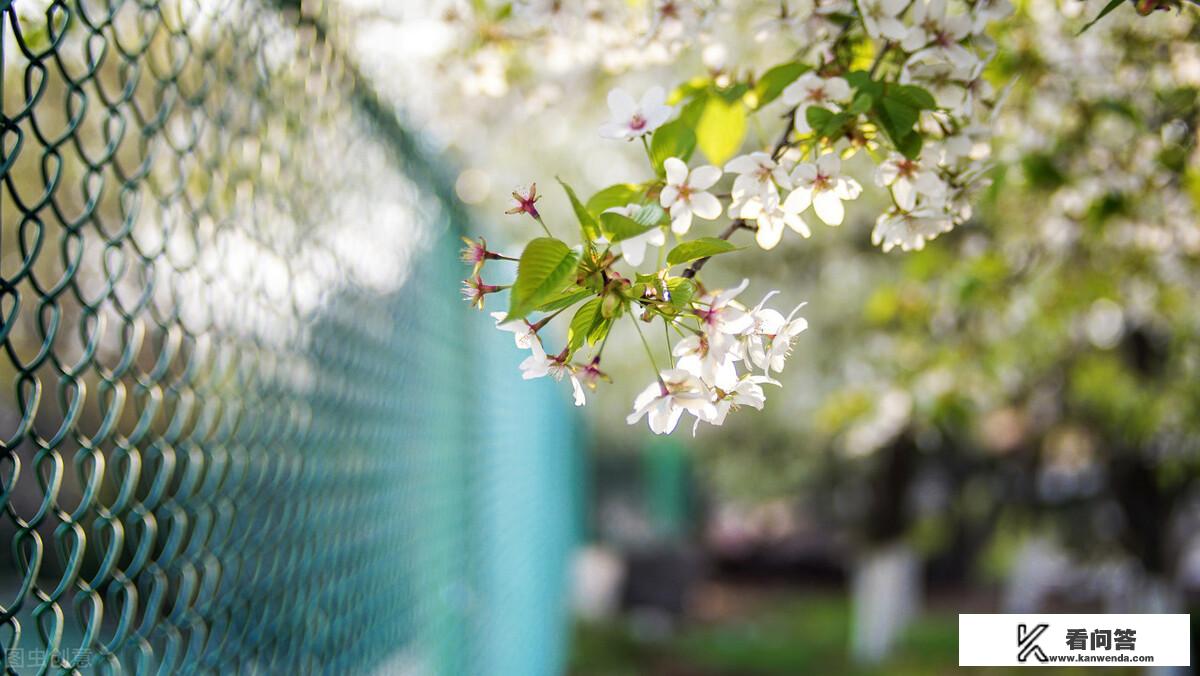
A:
[886,580]
[1149,506]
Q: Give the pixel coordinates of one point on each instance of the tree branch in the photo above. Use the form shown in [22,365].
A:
[741,224]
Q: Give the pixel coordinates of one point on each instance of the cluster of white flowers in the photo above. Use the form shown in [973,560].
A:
[756,193]
[921,110]
[1119,153]
[931,193]
[539,364]
[705,380]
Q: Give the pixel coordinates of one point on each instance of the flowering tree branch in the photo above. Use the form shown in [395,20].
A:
[898,81]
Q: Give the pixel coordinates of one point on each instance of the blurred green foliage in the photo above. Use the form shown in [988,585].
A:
[793,633]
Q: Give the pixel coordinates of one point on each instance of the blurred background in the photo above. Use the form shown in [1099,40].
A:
[247,424]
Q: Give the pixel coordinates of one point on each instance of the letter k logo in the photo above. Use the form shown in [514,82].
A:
[1027,642]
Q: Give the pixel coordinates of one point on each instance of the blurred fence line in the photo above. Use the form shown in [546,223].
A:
[245,424]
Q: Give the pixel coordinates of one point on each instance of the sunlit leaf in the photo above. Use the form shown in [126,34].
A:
[587,222]
[774,81]
[721,128]
[1112,4]
[614,196]
[545,268]
[673,139]
[617,227]
[698,248]
[583,322]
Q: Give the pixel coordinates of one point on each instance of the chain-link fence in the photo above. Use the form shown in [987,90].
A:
[244,421]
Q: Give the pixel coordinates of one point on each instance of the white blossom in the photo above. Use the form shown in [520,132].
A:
[631,119]
[522,330]
[539,364]
[709,359]
[665,400]
[811,89]
[910,179]
[945,80]
[719,314]
[910,229]
[634,248]
[932,28]
[822,185]
[771,354]
[771,216]
[747,391]
[882,18]
[686,194]
[987,11]
[759,175]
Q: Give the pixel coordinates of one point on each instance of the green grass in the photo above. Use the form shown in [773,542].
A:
[790,633]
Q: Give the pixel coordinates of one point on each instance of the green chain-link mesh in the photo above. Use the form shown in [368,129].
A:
[244,422]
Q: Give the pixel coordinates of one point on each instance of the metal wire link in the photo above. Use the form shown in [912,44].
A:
[229,398]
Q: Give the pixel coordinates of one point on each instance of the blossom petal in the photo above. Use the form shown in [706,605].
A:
[668,196]
[664,416]
[795,222]
[829,164]
[681,218]
[621,104]
[580,400]
[802,119]
[742,164]
[703,178]
[705,205]
[829,207]
[654,97]
[804,174]
[837,89]
[634,250]
[614,130]
[797,200]
[677,171]
[769,233]
[847,188]
[906,197]
[793,93]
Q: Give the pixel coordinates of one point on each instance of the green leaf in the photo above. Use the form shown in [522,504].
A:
[583,322]
[600,330]
[825,123]
[861,80]
[896,118]
[698,248]
[545,268]
[861,104]
[564,299]
[732,93]
[697,86]
[912,96]
[910,145]
[673,139]
[615,196]
[587,222]
[817,117]
[690,114]
[617,227]
[1113,4]
[650,214]
[682,291]
[721,128]
[774,81]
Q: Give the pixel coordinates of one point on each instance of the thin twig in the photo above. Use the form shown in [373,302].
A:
[887,47]
[741,224]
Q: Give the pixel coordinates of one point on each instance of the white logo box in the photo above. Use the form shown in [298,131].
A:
[1041,640]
